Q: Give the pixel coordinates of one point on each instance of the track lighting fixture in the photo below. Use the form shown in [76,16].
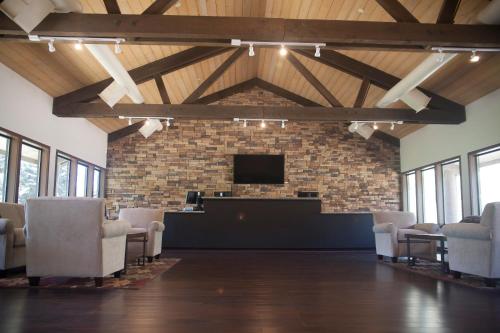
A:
[364,129]
[118,48]
[129,121]
[283,50]
[282,124]
[151,125]
[78,45]
[355,126]
[375,126]
[52,48]
[317,54]
[474,57]
[263,122]
[251,51]
[392,126]
[147,122]
[245,123]
[441,56]
[168,123]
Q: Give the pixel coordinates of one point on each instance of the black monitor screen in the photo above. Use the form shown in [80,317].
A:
[259,169]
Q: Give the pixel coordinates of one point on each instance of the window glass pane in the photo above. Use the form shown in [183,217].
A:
[97,183]
[429,195]
[81,180]
[411,193]
[63,166]
[4,165]
[29,173]
[452,192]
[488,169]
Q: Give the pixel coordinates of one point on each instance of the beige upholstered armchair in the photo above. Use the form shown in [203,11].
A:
[390,229]
[12,245]
[69,237]
[145,220]
[474,248]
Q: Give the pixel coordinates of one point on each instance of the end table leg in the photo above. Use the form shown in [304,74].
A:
[408,250]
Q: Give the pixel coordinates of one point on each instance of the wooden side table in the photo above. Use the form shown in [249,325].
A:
[136,237]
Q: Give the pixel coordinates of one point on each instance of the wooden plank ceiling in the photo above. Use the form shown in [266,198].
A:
[67,69]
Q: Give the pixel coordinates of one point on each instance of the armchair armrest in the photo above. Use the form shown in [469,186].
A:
[383,228]
[116,228]
[430,228]
[467,231]
[6,226]
[156,226]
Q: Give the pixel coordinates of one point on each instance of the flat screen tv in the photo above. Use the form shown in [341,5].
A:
[259,169]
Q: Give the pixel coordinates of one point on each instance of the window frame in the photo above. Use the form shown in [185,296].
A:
[7,168]
[60,154]
[422,170]
[94,170]
[82,163]
[35,145]
[439,188]
[475,201]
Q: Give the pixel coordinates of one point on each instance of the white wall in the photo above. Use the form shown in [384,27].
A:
[438,142]
[27,110]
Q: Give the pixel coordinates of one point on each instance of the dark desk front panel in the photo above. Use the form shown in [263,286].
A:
[267,224]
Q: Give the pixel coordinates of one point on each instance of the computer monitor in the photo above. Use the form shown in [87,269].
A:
[223,194]
[305,194]
[194,197]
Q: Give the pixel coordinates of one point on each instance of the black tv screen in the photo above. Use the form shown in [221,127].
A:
[259,169]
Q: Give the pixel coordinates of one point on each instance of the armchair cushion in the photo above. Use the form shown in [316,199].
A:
[19,239]
[156,226]
[383,228]
[430,228]
[137,230]
[116,228]
[6,226]
[467,231]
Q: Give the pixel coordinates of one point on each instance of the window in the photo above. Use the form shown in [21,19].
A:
[63,167]
[96,189]
[411,192]
[487,168]
[29,173]
[4,166]
[429,195]
[81,180]
[452,191]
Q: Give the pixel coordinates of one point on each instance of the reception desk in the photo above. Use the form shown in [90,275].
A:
[257,223]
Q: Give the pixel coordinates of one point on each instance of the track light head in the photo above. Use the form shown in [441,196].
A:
[79,45]
[392,126]
[474,57]
[245,123]
[262,124]
[375,126]
[251,51]
[147,122]
[168,123]
[282,124]
[317,54]
[283,50]
[356,126]
[441,56]
[52,48]
[129,121]
[118,48]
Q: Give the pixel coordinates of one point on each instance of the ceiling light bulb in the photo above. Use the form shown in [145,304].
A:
[251,51]
[147,122]
[78,45]
[474,57]
[282,124]
[244,123]
[263,124]
[52,48]
[317,54]
[283,50]
[375,126]
[392,126]
[168,123]
[118,48]
[129,121]
[356,126]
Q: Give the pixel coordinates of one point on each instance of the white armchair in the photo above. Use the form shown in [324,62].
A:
[390,229]
[145,220]
[12,243]
[474,248]
[69,237]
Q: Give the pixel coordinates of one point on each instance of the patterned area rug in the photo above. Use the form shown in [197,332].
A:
[136,278]
[433,270]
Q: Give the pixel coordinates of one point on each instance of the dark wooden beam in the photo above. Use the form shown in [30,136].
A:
[362,93]
[448,11]
[223,112]
[398,12]
[313,80]
[159,7]
[218,95]
[376,76]
[123,132]
[285,93]
[112,7]
[162,90]
[146,72]
[220,30]
[214,76]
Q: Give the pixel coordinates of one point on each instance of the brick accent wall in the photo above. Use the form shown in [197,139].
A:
[350,173]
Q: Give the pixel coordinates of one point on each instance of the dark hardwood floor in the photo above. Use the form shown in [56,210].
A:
[264,292]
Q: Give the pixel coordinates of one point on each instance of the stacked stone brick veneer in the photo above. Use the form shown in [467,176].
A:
[351,174]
